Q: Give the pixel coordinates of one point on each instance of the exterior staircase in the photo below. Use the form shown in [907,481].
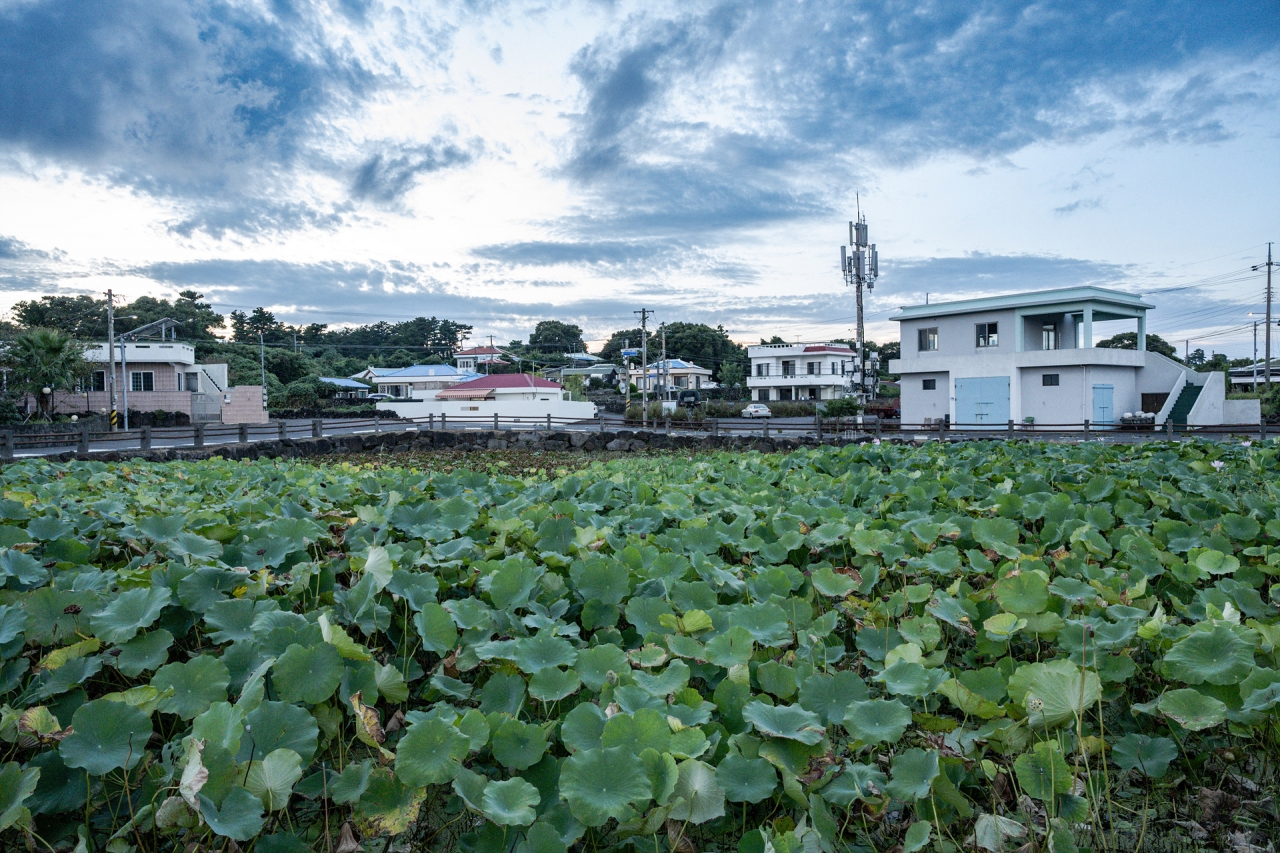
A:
[1182,406]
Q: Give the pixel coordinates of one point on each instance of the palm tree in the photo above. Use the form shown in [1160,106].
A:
[45,358]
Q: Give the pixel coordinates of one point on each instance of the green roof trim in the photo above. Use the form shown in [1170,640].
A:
[1069,298]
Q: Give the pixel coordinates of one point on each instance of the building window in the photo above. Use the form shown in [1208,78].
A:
[99,380]
[929,384]
[763,395]
[1049,336]
[784,394]
[813,393]
[927,339]
[762,369]
[788,368]
[142,380]
[987,336]
[813,368]
[1048,379]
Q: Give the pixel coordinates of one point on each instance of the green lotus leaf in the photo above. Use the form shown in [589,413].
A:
[732,648]
[144,652]
[552,685]
[1192,709]
[240,817]
[430,753]
[519,745]
[998,534]
[60,788]
[221,724]
[1002,626]
[601,579]
[829,696]
[196,685]
[855,782]
[534,654]
[647,728]
[746,780]
[543,838]
[670,680]
[1043,772]
[832,585]
[1055,692]
[777,679]
[877,720]
[271,780]
[1217,656]
[351,783]
[232,620]
[274,725]
[470,786]
[388,805]
[907,678]
[917,836]
[106,736]
[969,702]
[583,727]
[662,771]
[765,622]
[649,655]
[502,693]
[600,784]
[698,796]
[509,587]
[16,786]
[1022,593]
[308,674]
[912,774]
[510,802]
[436,628]
[595,664]
[784,721]
[1150,756]
[128,613]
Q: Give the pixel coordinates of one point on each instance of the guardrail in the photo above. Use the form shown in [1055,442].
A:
[86,441]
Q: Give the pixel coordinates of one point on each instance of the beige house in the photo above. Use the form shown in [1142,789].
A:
[163,376]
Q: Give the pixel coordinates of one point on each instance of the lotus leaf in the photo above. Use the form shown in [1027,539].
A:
[16,785]
[129,613]
[196,685]
[519,745]
[430,753]
[534,654]
[600,784]
[912,774]
[1192,709]
[106,736]
[1043,772]
[308,674]
[746,780]
[1150,756]
[510,803]
[239,818]
[698,796]
[271,780]
[784,721]
[1216,656]
[877,720]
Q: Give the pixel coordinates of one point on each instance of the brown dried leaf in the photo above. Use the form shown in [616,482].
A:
[347,840]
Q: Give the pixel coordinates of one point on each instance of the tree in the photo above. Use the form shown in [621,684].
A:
[774,341]
[612,350]
[1129,340]
[81,317]
[45,358]
[704,346]
[731,375]
[1197,358]
[552,338]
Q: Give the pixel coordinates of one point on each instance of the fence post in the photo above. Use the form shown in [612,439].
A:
[817,422]
[715,426]
[198,437]
[1168,428]
[444,421]
[6,444]
[431,421]
[317,427]
[282,429]
[84,437]
[942,430]
[666,425]
[1262,428]
[1086,427]
[144,443]
[600,425]
[495,421]
[766,427]
[244,433]
[877,426]
[548,422]
[1011,429]
[377,424]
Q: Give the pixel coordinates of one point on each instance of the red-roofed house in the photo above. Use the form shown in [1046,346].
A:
[474,358]
[504,387]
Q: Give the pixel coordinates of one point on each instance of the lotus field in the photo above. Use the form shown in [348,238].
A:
[950,647]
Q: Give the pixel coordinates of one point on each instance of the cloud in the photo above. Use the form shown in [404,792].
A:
[1078,204]
[13,249]
[386,175]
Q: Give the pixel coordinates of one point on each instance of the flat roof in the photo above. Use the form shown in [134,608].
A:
[1047,299]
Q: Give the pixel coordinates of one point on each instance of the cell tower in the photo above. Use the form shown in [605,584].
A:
[861,267]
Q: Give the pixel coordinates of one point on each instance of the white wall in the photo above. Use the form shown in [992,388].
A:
[919,405]
[1241,411]
[506,410]
[1210,405]
[1055,404]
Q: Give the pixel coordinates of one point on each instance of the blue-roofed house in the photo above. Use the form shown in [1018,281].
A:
[676,373]
[348,388]
[371,374]
[422,381]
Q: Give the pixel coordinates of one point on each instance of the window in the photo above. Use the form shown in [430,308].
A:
[1049,336]
[788,368]
[142,380]
[762,369]
[927,339]
[784,393]
[763,395]
[929,384]
[813,393]
[987,336]
[1048,379]
[99,380]
[813,368]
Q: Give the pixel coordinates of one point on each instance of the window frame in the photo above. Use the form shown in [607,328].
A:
[138,380]
[987,335]
[928,384]
[1046,377]
[927,339]
[1049,335]
[98,382]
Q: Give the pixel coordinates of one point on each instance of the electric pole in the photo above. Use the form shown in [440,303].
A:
[644,364]
[111,360]
[262,361]
[860,264]
[1266,339]
[666,368]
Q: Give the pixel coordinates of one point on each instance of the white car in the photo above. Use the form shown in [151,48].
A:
[757,410]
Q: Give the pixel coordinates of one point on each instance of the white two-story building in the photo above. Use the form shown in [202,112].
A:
[799,371]
[1030,358]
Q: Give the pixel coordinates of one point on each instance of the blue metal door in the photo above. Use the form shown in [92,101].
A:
[982,402]
[1104,411]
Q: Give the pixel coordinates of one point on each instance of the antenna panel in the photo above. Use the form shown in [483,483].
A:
[861,232]
[844,260]
[875,261]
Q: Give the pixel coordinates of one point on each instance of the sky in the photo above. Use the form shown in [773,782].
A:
[500,163]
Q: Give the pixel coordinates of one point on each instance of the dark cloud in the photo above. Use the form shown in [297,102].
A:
[13,249]
[1078,204]
[386,175]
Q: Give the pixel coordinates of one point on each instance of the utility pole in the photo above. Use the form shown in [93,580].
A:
[262,362]
[644,364]
[111,360]
[860,264]
[1266,354]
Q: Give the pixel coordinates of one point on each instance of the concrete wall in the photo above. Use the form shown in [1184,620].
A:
[1241,411]
[139,401]
[1211,404]
[920,406]
[957,335]
[1058,404]
[506,410]
[245,405]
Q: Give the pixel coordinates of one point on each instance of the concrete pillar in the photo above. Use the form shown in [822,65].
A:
[1087,339]
[144,443]
[1142,332]
[198,436]
[317,427]
[244,433]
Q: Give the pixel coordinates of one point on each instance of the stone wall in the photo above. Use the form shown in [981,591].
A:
[623,441]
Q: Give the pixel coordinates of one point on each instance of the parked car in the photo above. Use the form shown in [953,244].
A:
[381,397]
[757,410]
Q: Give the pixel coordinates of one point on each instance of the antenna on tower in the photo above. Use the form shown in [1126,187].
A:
[860,264]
